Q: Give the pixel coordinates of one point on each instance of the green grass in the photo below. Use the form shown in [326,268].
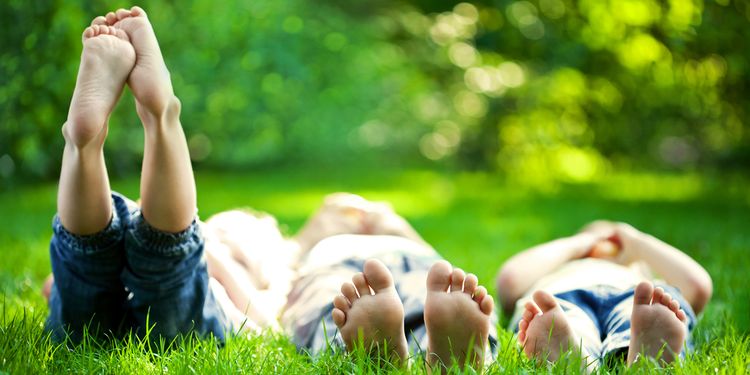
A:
[474,220]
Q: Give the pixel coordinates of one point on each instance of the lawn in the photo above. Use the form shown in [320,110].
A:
[475,220]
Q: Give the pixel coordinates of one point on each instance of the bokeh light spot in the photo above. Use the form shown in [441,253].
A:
[553,9]
[470,104]
[293,24]
[199,146]
[462,54]
[335,41]
[511,74]
[467,11]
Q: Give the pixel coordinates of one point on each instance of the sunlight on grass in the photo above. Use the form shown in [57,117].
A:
[651,187]
[475,220]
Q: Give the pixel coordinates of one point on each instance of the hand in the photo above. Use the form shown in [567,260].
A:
[604,243]
[613,241]
[619,246]
[608,249]
[628,238]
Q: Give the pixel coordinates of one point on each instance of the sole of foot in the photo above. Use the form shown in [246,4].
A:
[544,331]
[369,314]
[149,81]
[658,327]
[457,317]
[106,61]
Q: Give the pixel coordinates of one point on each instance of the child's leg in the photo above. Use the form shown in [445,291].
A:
[166,270]
[84,202]
[168,197]
[86,250]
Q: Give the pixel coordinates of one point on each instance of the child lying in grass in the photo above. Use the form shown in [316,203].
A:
[120,267]
[385,300]
[593,293]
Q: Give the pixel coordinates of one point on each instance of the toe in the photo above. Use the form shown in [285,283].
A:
[99,21]
[674,306]
[457,280]
[658,293]
[88,33]
[681,315]
[341,303]
[377,275]
[439,277]
[530,310]
[122,13]
[137,11]
[111,18]
[523,324]
[487,305]
[349,291]
[361,284]
[666,299]
[544,300]
[479,294]
[522,327]
[338,317]
[643,293]
[470,284]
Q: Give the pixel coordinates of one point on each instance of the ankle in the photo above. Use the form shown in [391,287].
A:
[160,116]
[84,135]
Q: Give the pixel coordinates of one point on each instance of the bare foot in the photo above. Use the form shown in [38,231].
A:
[106,61]
[47,287]
[149,80]
[378,318]
[544,331]
[457,316]
[658,327]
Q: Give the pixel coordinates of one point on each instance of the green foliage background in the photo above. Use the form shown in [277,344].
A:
[317,92]
[539,89]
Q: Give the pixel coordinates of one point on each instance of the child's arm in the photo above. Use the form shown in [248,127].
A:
[522,270]
[676,267]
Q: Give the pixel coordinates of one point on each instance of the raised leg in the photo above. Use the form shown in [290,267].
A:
[166,271]
[168,197]
[84,201]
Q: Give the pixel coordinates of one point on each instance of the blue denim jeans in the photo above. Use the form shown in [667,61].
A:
[601,314]
[609,311]
[131,277]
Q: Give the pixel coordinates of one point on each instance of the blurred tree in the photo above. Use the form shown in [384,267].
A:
[566,87]
[552,88]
